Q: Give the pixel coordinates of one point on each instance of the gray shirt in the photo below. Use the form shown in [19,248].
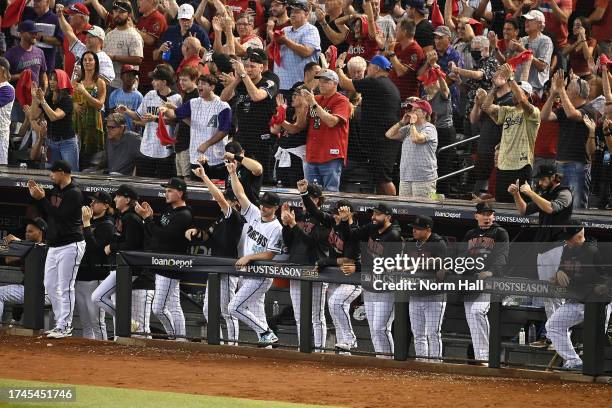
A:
[121,155]
[419,161]
[542,48]
[444,110]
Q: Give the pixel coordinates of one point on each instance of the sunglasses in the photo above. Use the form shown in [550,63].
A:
[112,126]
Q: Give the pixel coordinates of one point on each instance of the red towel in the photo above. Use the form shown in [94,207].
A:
[436,15]
[455,8]
[162,132]
[603,59]
[23,88]
[520,59]
[63,80]
[365,30]
[274,49]
[431,76]
[13,13]
[279,116]
[477,26]
[333,57]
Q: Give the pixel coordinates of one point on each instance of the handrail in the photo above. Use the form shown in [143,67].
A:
[450,146]
[454,173]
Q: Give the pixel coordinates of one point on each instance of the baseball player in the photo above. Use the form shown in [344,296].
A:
[222,237]
[98,229]
[262,241]
[345,255]
[167,235]
[14,294]
[490,242]
[307,241]
[129,236]
[66,243]
[379,306]
[426,310]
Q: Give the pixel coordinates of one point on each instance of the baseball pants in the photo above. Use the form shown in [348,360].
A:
[167,306]
[380,312]
[61,267]
[142,303]
[228,290]
[248,304]
[319,325]
[14,295]
[339,301]
[91,315]
[426,317]
[476,309]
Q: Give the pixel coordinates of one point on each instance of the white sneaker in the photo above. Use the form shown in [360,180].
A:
[58,333]
[268,338]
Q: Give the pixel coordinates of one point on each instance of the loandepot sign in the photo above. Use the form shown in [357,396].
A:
[173,263]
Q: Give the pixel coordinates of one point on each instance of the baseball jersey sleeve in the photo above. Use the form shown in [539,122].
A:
[78,49]
[7,95]
[501,114]
[342,109]
[225,120]
[251,213]
[275,240]
[184,111]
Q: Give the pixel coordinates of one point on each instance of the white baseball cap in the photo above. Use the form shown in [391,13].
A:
[525,86]
[185,11]
[97,32]
[535,15]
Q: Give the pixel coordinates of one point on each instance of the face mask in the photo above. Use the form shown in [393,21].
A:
[476,55]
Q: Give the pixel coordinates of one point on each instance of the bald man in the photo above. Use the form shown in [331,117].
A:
[191,53]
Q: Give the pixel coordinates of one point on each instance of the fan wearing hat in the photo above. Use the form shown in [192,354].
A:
[99,230]
[222,237]
[424,30]
[427,310]
[14,294]
[40,13]
[380,235]
[307,241]
[581,268]
[418,164]
[26,54]
[126,95]
[78,16]
[380,100]
[263,240]
[66,242]
[344,255]
[490,242]
[520,129]
[151,26]
[576,141]
[167,235]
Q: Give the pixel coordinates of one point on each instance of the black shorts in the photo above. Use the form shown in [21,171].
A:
[384,154]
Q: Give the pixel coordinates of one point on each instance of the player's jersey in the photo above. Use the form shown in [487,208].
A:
[260,236]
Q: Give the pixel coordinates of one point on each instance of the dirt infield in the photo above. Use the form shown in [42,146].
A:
[78,361]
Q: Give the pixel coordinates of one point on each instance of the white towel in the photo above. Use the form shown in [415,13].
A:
[283,156]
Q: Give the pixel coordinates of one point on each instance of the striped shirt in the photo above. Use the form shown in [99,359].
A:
[107,72]
[150,145]
[7,97]
[291,69]
[207,118]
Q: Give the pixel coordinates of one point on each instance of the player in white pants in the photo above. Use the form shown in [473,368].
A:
[142,303]
[319,324]
[476,309]
[228,286]
[167,306]
[262,241]
[66,243]
[339,299]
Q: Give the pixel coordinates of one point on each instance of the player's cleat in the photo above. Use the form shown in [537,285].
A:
[58,333]
[268,338]
[572,365]
[359,313]
[342,347]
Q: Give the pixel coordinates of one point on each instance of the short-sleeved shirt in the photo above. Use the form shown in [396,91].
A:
[261,236]
[291,68]
[107,72]
[571,145]
[577,63]
[444,111]
[387,26]
[326,42]
[323,143]
[70,59]
[365,47]
[121,155]
[155,25]
[240,6]
[131,99]
[49,18]
[542,48]
[125,43]
[424,33]
[60,129]
[419,162]
[553,25]
[453,55]
[20,60]
[253,117]
[519,132]
[7,98]
[602,29]
[412,56]
[173,34]
[151,146]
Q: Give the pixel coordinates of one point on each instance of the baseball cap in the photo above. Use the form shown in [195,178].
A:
[381,62]
[230,195]
[176,184]
[222,61]
[126,191]
[257,55]
[102,197]
[299,4]
[269,199]
[525,86]
[128,68]
[185,11]
[535,15]
[96,31]
[283,2]
[233,147]
[27,26]
[484,207]
[328,74]
[546,170]
[443,31]
[383,209]
[122,5]
[163,72]
[314,190]
[61,165]
[419,5]
[37,222]
[572,228]
[77,8]
[422,222]
[422,104]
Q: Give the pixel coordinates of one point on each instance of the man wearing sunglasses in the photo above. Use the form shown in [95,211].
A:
[122,147]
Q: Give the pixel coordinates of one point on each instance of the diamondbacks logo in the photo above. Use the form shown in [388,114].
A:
[172,263]
[213,122]
[256,236]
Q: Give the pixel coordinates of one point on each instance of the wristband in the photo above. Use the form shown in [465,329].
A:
[313,106]
[238,158]
[391,55]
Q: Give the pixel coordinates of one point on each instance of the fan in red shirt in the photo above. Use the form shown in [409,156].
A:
[327,137]
[243,6]
[79,20]
[406,59]
[361,38]
[151,26]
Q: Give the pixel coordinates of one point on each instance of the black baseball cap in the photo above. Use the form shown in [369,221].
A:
[222,61]
[126,191]
[383,209]
[344,203]
[257,55]
[122,5]
[177,184]
[102,197]
[37,222]
[233,147]
[572,228]
[422,222]
[546,170]
[314,191]
[230,195]
[61,165]
[269,199]
[484,207]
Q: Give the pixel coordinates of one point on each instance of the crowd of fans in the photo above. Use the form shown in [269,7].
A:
[337,92]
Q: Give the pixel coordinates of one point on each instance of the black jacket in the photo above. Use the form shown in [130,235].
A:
[307,242]
[491,244]
[584,268]
[129,233]
[434,247]
[95,263]
[561,199]
[64,216]
[375,240]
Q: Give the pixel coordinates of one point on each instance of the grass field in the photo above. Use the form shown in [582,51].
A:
[90,396]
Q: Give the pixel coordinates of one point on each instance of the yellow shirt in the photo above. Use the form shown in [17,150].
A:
[519,132]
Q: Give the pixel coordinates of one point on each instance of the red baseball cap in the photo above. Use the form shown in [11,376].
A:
[128,68]
[77,8]
[422,104]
